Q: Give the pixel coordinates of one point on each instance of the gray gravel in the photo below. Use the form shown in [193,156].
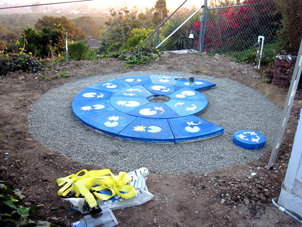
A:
[232,106]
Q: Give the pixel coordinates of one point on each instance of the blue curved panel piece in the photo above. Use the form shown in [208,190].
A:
[187,94]
[110,122]
[160,89]
[131,108]
[163,80]
[148,130]
[89,94]
[154,110]
[110,85]
[193,128]
[199,85]
[187,107]
[127,104]
[133,92]
[91,108]
[135,80]
[249,139]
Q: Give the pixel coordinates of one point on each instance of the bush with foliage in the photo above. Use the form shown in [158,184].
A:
[179,40]
[44,43]
[236,28]
[80,51]
[250,55]
[138,35]
[108,48]
[122,21]
[135,55]
[289,37]
[88,25]
[74,32]
[21,61]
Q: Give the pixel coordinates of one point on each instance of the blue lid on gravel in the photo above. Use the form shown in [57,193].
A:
[249,139]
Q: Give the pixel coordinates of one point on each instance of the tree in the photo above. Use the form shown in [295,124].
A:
[121,23]
[138,35]
[45,42]
[74,32]
[161,11]
[290,35]
[3,31]
[88,25]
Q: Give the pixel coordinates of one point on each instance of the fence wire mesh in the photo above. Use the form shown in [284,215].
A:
[234,30]
[186,37]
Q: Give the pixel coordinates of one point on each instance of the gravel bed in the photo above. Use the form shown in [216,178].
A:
[232,106]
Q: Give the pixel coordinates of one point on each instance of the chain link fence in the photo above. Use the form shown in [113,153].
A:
[234,30]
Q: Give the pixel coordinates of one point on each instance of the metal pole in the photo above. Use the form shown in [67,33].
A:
[157,28]
[287,108]
[66,45]
[178,27]
[203,20]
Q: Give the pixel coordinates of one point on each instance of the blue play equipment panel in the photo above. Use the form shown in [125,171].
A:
[249,139]
[151,109]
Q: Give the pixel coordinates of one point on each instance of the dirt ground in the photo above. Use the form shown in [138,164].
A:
[227,197]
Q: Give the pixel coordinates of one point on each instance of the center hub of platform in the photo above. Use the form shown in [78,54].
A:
[159,99]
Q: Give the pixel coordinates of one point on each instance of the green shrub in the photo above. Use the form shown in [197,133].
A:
[14,62]
[290,35]
[138,35]
[80,51]
[135,55]
[250,55]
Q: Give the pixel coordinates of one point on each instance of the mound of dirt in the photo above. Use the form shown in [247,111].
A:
[234,196]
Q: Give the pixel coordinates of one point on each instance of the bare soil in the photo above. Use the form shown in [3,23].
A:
[227,197]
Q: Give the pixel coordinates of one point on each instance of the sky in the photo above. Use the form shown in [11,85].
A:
[171,4]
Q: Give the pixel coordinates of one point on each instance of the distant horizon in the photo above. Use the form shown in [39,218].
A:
[171,4]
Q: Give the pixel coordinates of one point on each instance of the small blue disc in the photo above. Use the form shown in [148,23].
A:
[249,139]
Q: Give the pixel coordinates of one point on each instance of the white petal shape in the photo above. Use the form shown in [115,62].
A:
[147,112]
[98,107]
[111,124]
[154,129]
[89,95]
[192,129]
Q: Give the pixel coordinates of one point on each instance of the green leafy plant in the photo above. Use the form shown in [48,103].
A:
[64,74]
[80,51]
[12,213]
[138,35]
[136,55]
[289,36]
[1,138]
[250,55]
[21,61]
[44,77]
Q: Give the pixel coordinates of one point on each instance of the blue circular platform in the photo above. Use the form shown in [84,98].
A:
[154,108]
[249,139]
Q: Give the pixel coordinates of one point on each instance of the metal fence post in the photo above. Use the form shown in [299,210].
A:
[203,26]
[66,46]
